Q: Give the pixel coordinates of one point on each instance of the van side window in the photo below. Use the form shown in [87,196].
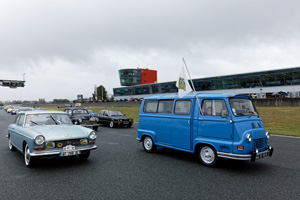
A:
[182,107]
[213,107]
[165,106]
[150,106]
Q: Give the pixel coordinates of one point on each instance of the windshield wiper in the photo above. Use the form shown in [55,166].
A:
[33,122]
[56,122]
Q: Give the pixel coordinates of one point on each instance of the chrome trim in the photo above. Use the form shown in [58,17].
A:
[51,153]
[240,156]
[138,140]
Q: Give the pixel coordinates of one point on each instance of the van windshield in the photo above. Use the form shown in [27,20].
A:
[242,107]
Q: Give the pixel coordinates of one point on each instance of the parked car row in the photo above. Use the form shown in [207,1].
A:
[13,110]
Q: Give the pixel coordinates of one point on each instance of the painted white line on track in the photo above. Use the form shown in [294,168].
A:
[284,136]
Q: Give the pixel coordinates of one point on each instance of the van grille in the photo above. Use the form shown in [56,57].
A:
[260,144]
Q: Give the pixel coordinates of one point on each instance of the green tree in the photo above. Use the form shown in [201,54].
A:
[101,90]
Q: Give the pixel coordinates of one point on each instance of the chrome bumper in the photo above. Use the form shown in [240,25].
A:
[253,156]
[53,153]
[138,140]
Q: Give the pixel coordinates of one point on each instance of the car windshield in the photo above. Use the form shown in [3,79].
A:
[242,107]
[115,113]
[80,111]
[47,119]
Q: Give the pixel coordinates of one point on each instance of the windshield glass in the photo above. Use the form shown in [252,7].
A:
[47,119]
[79,111]
[242,107]
[115,113]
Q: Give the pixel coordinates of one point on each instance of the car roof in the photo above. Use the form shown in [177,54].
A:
[76,108]
[192,96]
[43,112]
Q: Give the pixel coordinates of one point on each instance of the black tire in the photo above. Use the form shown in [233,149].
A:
[10,145]
[29,160]
[128,126]
[111,124]
[95,128]
[149,145]
[84,155]
[207,155]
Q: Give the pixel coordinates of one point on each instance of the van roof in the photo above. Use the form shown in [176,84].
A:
[192,96]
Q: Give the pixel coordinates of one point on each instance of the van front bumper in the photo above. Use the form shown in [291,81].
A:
[253,156]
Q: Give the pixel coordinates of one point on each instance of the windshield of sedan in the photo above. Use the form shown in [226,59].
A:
[115,113]
[47,119]
[78,111]
[242,107]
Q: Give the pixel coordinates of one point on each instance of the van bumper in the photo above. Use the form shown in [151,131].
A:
[252,156]
[138,140]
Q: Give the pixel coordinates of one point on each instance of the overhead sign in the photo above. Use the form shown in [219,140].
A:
[12,83]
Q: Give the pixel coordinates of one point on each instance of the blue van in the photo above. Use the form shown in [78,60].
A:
[216,126]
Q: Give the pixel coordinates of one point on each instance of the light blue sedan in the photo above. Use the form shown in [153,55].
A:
[49,133]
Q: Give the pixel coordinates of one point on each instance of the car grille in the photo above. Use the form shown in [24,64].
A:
[260,144]
[87,122]
[64,143]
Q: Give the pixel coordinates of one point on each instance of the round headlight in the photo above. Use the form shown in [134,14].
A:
[39,140]
[249,138]
[268,135]
[80,120]
[93,135]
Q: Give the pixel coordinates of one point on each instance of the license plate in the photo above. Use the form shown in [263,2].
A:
[69,153]
[263,155]
[69,147]
[126,122]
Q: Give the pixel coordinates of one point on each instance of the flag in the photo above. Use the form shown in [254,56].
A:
[183,85]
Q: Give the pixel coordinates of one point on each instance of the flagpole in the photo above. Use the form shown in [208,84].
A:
[192,85]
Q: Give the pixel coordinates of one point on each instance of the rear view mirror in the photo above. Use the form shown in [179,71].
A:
[224,113]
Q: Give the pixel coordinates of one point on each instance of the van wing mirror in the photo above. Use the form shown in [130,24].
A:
[224,113]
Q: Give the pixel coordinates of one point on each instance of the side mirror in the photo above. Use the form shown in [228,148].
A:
[224,113]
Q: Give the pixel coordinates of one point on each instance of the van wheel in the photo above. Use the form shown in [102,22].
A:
[148,144]
[207,156]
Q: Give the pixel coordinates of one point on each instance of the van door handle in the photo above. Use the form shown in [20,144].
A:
[200,119]
[189,122]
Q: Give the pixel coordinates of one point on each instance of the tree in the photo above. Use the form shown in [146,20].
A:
[101,90]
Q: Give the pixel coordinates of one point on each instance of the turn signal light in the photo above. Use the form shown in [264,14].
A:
[240,148]
[39,148]
[91,142]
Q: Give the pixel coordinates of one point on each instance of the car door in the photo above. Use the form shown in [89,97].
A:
[16,131]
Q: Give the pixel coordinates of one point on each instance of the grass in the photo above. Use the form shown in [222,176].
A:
[277,120]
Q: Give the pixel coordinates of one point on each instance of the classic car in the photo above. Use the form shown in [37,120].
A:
[81,116]
[114,118]
[49,133]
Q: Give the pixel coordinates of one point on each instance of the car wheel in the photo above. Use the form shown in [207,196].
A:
[95,128]
[29,161]
[207,155]
[111,124]
[84,155]
[10,146]
[148,144]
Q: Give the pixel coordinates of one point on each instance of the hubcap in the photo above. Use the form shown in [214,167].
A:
[207,155]
[148,143]
[27,156]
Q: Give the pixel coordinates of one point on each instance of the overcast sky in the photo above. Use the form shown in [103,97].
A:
[65,47]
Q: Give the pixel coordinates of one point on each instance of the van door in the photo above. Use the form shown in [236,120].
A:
[181,124]
[210,122]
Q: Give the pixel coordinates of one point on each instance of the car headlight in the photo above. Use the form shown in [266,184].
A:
[79,120]
[249,138]
[267,135]
[39,140]
[93,135]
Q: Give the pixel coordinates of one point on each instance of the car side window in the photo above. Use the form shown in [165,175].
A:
[182,107]
[213,107]
[21,120]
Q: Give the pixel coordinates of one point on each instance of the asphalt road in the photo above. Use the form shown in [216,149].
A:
[121,169]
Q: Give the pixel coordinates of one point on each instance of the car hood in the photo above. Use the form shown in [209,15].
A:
[60,132]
